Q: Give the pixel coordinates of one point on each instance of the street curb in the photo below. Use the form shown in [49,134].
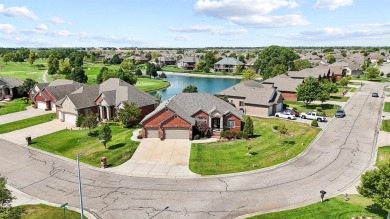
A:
[14,190]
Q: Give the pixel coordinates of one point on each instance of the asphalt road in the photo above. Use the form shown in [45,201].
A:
[332,163]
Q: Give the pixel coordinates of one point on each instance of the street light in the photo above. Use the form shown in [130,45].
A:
[79,178]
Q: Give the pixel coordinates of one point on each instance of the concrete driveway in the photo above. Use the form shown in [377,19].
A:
[18,136]
[30,112]
[154,157]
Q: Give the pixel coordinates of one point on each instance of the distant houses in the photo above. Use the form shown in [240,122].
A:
[227,65]
[188,63]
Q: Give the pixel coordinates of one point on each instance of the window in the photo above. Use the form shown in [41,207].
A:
[230,124]
[200,119]
[241,103]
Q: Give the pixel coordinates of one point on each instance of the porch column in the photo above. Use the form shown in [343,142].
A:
[221,123]
[101,113]
[108,112]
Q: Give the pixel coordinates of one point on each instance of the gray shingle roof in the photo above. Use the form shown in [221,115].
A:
[60,91]
[189,59]
[253,92]
[11,82]
[284,83]
[317,71]
[84,97]
[58,82]
[229,61]
[185,105]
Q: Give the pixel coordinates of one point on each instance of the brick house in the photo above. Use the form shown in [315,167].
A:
[254,99]
[45,95]
[8,88]
[178,117]
[105,100]
[285,85]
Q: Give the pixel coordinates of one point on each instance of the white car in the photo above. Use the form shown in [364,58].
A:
[285,115]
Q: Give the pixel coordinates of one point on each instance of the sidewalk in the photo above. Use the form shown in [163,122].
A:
[30,112]
[24,199]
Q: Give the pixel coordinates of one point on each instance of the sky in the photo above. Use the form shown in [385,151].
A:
[193,23]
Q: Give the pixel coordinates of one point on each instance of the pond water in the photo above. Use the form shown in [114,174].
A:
[204,85]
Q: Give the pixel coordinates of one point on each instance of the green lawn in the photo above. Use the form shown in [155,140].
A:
[14,106]
[387,89]
[48,212]
[268,148]
[69,143]
[339,98]
[12,126]
[378,79]
[329,109]
[147,84]
[387,107]
[385,125]
[383,155]
[355,83]
[93,69]
[23,70]
[352,89]
[332,208]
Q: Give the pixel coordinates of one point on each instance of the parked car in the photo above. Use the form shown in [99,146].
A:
[292,112]
[313,116]
[375,94]
[340,113]
[285,115]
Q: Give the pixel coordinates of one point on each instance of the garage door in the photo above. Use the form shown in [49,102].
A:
[41,105]
[152,133]
[176,133]
[70,118]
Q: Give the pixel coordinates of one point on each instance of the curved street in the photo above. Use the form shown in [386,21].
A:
[333,163]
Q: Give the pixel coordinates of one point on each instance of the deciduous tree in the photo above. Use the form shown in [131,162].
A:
[309,91]
[26,87]
[330,59]
[6,210]
[248,74]
[301,64]
[190,89]
[129,114]
[105,134]
[78,75]
[90,122]
[372,72]
[32,57]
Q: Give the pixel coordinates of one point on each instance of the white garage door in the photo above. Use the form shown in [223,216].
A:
[176,133]
[152,133]
[41,105]
[70,118]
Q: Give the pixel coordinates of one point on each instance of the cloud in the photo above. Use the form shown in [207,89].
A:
[19,12]
[41,27]
[60,33]
[253,13]
[7,28]
[371,25]
[182,38]
[57,20]
[216,30]
[332,4]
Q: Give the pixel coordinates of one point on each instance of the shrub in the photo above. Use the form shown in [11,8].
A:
[234,134]
[248,127]
[196,137]
[245,135]
[79,120]
[319,109]
[223,140]
[140,136]
[314,123]
[275,127]
[222,133]
[283,129]
[227,134]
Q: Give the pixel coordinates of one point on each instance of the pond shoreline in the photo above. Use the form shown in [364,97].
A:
[158,89]
[201,75]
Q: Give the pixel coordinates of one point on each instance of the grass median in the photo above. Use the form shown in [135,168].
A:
[268,148]
[383,155]
[14,106]
[48,212]
[332,208]
[25,123]
[69,143]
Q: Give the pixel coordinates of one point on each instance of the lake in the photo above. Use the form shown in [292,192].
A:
[205,85]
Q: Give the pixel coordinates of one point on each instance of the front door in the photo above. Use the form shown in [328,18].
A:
[216,124]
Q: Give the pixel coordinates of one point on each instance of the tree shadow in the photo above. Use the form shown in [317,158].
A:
[93,133]
[376,209]
[256,136]
[116,146]
[253,153]
[289,142]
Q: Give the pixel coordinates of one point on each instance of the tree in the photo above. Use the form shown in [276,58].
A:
[238,69]
[127,65]
[126,76]
[99,77]
[115,60]
[17,58]
[248,127]
[272,56]
[372,72]
[309,91]
[158,97]
[138,72]
[278,69]
[329,87]
[162,75]
[7,58]
[151,70]
[78,75]
[248,74]
[26,87]
[375,184]
[105,134]
[190,89]
[53,65]
[24,53]
[32,57]
[129,114]
[209,60]
[344,82]
[324,96]
[65,67]
[6,210]
[388,75]
[380,61]
[90,122]
[104,61]
[242,58]
[330,59]
[301,64]
[344,54]
[148,56]
[79,120]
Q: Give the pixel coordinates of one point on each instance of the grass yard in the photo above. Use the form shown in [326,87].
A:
[93,69]
[69,143]
[385,125]
[21,124]
[48,212]
[329,109]
[23,70]
[268,148]
[352,89]
[14,106]
[147,84]
[355,83]
[339,98]
[174,68]
[387,107]
[332,208]
[378,79]
[383,155]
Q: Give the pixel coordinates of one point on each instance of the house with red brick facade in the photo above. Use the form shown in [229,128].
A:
[286,85]
[254,98]
[178,117]
[104,100]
